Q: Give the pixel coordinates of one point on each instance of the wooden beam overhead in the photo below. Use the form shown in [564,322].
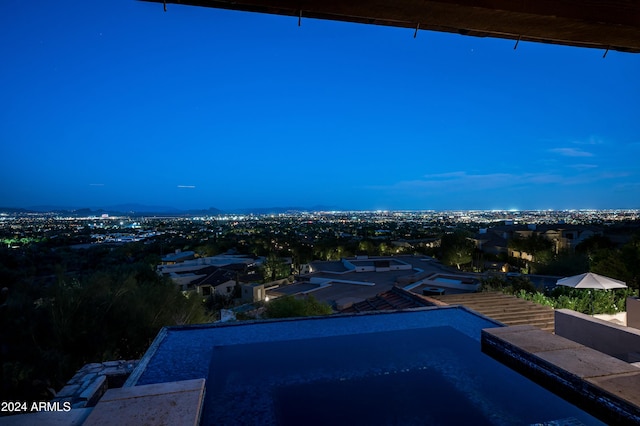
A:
[601,24]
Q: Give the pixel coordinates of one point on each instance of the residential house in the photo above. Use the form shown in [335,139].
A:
[565,237]
[220,281]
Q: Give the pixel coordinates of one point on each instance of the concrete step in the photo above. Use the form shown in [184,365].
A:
[512,312]
[504,308]
[508,307]
[544,325]
[519,316]
[509,312]
[475,296]
[521,320]
[496,302]
[478,297]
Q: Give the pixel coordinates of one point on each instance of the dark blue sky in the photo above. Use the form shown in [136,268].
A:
[116,102]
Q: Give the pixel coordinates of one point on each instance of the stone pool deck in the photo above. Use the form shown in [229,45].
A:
[600,384]
[174,403]
[162,404]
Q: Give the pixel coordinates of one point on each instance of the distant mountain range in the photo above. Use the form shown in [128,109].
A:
[142,210]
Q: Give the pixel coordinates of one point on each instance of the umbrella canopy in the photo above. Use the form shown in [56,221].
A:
[591,280]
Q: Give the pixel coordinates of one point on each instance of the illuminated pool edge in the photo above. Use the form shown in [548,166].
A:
[180,352]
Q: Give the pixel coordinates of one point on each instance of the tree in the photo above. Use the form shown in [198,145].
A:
[302,253]
[594,243]
[539,247]
[610,263]
[509,285]
[275,268]
[385,249]
[104,309]
[630,254]
[565,264]
[456,249]
[368,247]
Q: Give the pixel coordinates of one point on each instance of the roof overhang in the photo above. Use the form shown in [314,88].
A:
[601,24]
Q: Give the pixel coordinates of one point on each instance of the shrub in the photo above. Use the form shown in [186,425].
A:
[289,306]
[581,300]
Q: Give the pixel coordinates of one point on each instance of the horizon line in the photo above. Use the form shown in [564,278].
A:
[325,209]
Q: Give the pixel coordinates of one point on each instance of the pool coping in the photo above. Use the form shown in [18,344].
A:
[599,384]
[163,334]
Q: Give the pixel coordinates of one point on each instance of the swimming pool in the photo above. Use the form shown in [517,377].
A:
[410,367]
[423,376]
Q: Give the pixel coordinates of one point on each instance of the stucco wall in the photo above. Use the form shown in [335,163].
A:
[633,312]
[615,340]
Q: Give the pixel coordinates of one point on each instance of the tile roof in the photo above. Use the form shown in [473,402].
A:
[393,299]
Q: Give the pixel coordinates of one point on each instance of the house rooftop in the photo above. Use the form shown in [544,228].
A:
[335,284]
[390,300]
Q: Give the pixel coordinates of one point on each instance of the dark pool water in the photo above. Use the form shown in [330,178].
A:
[427,376]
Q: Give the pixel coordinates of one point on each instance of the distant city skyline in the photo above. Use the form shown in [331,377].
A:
[295,210]
[197,108]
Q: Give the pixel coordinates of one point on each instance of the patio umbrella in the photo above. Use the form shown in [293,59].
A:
[591,280]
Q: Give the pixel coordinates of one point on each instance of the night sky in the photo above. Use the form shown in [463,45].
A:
[107,103]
